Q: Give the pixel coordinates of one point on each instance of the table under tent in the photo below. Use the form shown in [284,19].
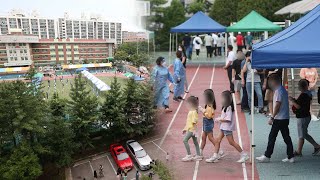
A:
[198,23]
[284,50]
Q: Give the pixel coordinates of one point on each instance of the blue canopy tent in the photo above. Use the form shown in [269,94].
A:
[198,23]
[295,47]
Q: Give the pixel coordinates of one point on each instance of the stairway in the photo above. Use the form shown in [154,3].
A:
[295,92]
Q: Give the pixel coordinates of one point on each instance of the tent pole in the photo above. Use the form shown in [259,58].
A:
[176,41]
[170,49]
[225,43]
[252,123]
[266,35]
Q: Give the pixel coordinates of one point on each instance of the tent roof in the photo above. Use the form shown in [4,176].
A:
[253,22]
[199,23]
[295,47]
[299,7]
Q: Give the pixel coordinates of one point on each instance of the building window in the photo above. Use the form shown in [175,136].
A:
[15,58]
[26,58]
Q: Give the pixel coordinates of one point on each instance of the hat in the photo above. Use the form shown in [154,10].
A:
[249,32]
[239,32]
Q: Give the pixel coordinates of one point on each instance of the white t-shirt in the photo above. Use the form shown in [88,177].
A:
[215,39]
[281,95]
[231,57]
[196,45]
[208,40]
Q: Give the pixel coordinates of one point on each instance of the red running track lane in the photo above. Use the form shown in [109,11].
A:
[227,168]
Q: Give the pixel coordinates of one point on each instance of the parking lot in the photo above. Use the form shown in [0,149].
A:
[85,168]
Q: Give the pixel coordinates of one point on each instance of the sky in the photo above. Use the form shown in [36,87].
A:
[115,10]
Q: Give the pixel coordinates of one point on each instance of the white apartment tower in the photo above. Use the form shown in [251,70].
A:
[42,27]
[93,28]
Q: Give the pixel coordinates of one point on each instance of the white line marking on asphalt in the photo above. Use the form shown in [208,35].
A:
[244,169]
[78,164]
[159,147]
[196,168]
[151,141]
[102,156]
[176,113]
[91,167]
[115,172]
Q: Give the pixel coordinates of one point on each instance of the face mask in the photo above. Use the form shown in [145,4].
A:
[164,63]
[180,49]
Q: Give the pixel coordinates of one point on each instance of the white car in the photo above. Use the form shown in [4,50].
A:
[139,154]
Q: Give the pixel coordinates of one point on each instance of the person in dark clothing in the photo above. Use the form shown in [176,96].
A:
[244,99]
[186,42]
[95,174]
[301,107]
[279,120]
[236,75]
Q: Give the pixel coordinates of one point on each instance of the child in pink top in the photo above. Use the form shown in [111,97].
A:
[227,126]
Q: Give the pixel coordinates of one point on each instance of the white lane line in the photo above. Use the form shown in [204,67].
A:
[176,113]
[99,157]
[91,167]
[159,147]
[115,172]
[151,141]
[244,169]
[78,164]
[196,168]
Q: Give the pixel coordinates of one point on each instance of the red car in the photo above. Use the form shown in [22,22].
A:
[121,157]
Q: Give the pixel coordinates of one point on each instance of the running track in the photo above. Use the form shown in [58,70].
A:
[201,77]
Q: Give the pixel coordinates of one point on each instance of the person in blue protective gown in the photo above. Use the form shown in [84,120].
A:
[160,75]
[179,77]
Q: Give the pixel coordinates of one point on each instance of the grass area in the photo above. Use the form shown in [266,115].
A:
[64,90]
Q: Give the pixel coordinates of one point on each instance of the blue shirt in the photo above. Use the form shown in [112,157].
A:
[281,95]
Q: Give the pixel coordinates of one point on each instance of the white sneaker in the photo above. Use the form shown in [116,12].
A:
[213,159]
[243,158]
[314,118]
[187,158]
[291,160]
[263,159]
[221,154]
[198,158]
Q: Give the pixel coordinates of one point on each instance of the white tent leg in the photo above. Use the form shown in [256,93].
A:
[170,49]
[266,35]
[176,42]
[225,43]
[252,123]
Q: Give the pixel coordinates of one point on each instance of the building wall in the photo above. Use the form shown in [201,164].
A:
[25,50]
[134,36]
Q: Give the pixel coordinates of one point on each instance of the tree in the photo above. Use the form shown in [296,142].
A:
[58,139]
[83,110]
[112,112]
[22,112]
[224,11]
[266,8]
[172,16]
[140,59]
[196,6]
[121,55]
[31,72]
[23,164]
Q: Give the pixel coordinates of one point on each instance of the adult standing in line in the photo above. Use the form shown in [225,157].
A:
[240,42]
[249,40]
[179,75]
[236,75]
[184,62]
[220,44]
[208,41]
[279,120]
[215,42]
[302,111]
[257,83]
[230,58]
[186,42]
[159,77]
[311,74]
[244,100]
[197,42]
[232,40]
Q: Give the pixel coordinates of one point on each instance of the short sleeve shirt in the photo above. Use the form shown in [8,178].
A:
[231,57]
[192,119]
[228,116]
[281,95]
[304,101]
[255,76]
[209,112]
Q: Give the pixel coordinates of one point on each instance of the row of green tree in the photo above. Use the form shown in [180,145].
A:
[36,133]
[223,11]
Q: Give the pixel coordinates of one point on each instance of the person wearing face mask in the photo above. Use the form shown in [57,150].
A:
[179,77]
[184,62]
[279,120]
[256,80]
[159,77]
